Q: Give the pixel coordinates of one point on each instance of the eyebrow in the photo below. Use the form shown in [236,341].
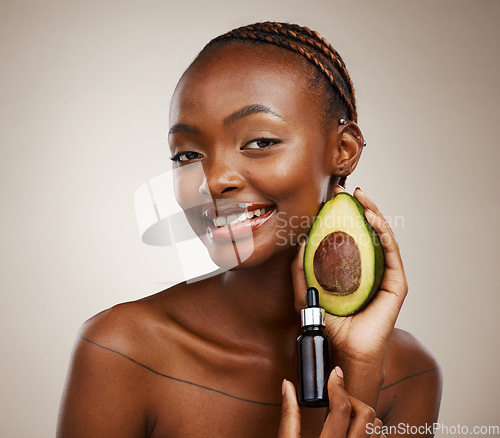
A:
[248,110]
[183,128]
[237,115]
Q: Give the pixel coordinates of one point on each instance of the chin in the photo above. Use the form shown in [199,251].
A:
[241,255]
[230,255]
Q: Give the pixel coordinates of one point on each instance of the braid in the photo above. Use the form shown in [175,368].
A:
[313,47]
[307,43]
[316,41]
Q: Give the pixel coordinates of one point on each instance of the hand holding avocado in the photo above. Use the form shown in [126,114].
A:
[364,335]
[343,258]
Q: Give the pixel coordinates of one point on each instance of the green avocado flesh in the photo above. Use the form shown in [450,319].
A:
[344,258]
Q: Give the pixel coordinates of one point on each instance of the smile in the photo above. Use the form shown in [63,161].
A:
[236,221]
[233,219]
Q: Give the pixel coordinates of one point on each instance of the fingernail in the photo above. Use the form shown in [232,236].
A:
[340,187]
[339,372]
[359,188]
[367,210]
[283,387]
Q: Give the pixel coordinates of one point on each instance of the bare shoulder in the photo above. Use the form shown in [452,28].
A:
[107,391]
[411,391]
[407,354]
[122,326]
[135,327]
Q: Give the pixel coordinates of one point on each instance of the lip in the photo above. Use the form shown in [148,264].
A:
[233,208]
[237,229]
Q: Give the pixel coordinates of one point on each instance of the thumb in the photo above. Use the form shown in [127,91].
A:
[290,412]
[336,390]
[335,380]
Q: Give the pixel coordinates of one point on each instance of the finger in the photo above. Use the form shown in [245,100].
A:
[393,262]
[369,204]
[339,417]
[299,278]
[376,429]
[384,232]
[338,189]
[366,202]
[290,412]
[363,418]
[394,287]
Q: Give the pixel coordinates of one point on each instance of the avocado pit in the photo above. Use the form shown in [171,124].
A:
[337,264]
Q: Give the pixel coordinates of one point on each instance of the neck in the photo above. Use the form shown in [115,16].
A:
[262,297]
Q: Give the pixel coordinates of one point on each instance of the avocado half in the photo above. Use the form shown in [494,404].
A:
[344,258]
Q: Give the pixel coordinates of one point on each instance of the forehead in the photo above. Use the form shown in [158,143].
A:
[229,77]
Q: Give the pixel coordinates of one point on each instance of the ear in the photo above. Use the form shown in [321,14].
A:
[345,144]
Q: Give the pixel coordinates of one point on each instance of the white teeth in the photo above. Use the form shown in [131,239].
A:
[220,221]
[232,218]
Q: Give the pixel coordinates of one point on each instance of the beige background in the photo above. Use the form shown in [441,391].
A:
[85,88]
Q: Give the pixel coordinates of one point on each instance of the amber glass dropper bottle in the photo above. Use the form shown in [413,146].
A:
[312,354]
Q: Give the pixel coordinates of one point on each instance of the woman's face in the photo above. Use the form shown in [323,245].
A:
[246,134]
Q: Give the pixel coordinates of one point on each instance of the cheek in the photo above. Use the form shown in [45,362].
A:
[299,187]
[187,182]
[298,177]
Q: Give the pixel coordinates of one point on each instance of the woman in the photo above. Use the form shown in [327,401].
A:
[262,124]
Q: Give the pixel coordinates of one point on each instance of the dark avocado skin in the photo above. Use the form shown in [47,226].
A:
[365,293]
[379,253]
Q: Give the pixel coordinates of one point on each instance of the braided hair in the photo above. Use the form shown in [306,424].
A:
[337,90]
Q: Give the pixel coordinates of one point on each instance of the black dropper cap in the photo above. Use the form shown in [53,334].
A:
[312,297]
[312,314]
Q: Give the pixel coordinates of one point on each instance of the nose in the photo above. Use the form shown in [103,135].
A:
[221,178]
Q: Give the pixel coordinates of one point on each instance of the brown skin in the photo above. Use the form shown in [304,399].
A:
[235,333]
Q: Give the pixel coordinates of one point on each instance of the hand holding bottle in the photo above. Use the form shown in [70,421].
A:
[346,415]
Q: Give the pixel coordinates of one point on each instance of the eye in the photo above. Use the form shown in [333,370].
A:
[182,157]
[261,143]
